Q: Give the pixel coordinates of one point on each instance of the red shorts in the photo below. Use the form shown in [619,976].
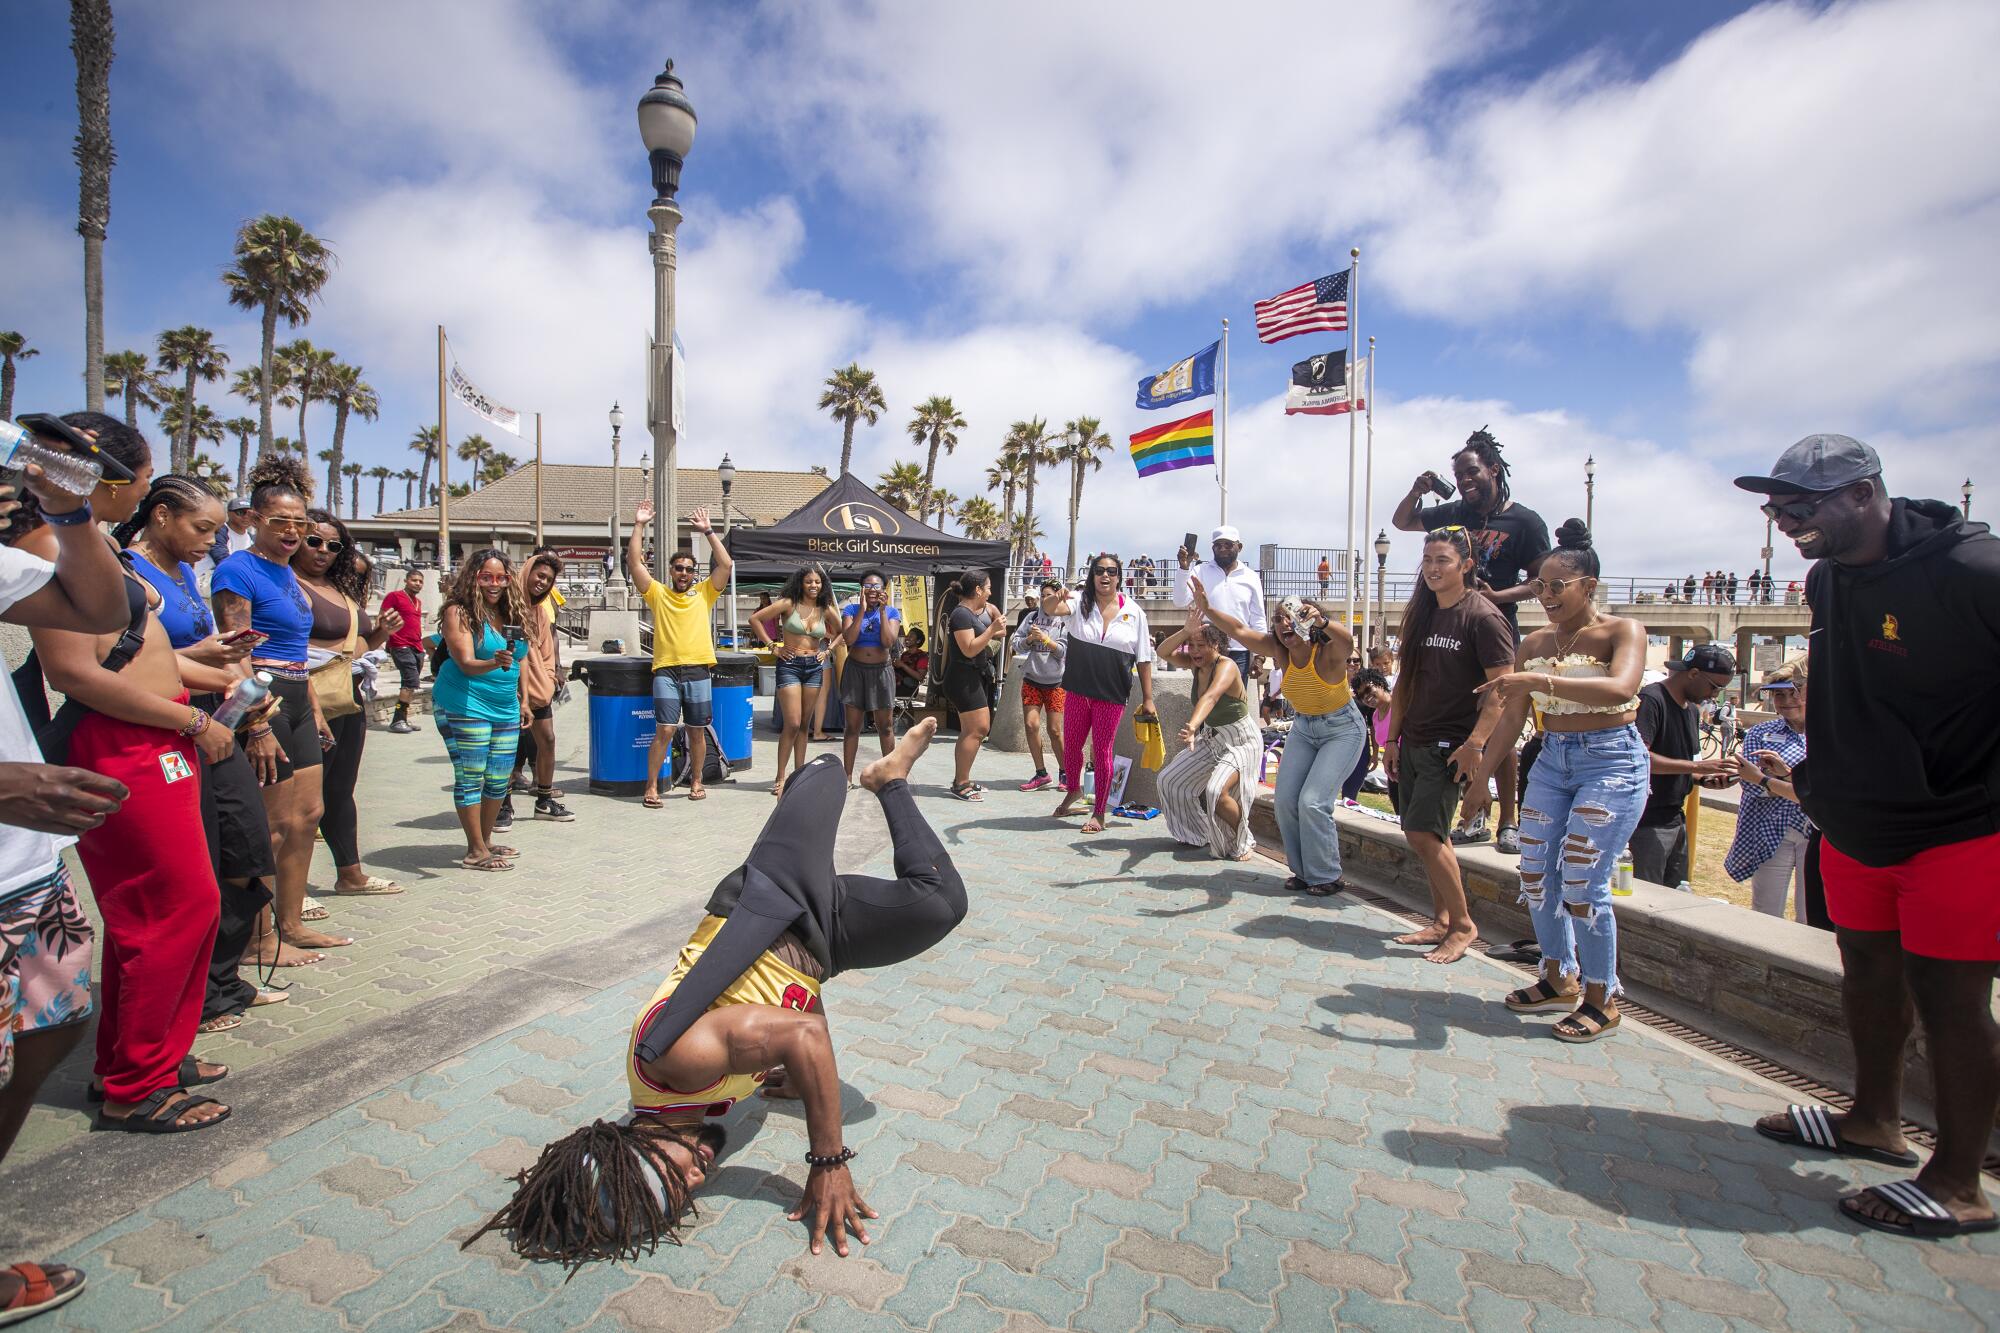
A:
[1042,696]
[1945,901]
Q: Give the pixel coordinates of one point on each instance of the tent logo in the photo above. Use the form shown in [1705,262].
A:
[855,516]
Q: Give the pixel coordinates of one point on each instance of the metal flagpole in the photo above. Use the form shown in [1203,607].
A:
[1222,427]
[444,486]
[1353,327]
[1367,495]
[538,481]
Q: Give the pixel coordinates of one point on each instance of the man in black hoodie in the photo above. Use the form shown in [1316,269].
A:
[1903,781]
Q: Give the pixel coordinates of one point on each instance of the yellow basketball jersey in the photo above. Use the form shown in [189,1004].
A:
[769,980]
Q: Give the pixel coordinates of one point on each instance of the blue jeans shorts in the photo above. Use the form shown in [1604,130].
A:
[805,669]
[683,694]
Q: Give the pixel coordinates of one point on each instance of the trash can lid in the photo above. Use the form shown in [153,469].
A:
[615,673]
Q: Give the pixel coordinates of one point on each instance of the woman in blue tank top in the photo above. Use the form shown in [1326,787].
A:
[477,698]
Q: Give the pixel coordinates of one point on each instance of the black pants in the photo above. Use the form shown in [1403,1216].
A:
[1815,895]
[239,849]
[342,770]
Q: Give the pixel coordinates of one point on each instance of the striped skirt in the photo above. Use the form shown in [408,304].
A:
[1192,782]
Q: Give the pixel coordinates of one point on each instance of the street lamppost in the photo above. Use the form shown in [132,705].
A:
[1381,578]
[1767,556]
[614,578]
[1966,491]
[666,124]
[725,472]
[1589,490]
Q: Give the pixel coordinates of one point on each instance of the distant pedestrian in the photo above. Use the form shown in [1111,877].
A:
[1769,848]
[1325,576]
[1730,587]
[406,646]
[1687,589]
[1708,587]
[683,648]
[1040,643]
[971,682]
[1670,725]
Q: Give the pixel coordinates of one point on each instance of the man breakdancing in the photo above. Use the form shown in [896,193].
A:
[742,1002]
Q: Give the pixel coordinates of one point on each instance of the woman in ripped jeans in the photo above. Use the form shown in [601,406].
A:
[1587,788]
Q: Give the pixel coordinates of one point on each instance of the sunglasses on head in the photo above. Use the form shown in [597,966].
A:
[326,544]
[1798,511]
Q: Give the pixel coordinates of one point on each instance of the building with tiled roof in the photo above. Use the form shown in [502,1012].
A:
[576,510]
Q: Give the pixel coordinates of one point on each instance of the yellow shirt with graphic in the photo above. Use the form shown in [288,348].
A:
[769,980]
[681,633]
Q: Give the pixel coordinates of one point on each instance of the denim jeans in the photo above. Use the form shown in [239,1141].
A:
[1319,754]
[1584,799]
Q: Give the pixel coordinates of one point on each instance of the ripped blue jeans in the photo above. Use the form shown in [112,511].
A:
[1585,794]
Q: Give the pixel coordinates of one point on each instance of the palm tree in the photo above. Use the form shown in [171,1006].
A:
[943,504]
[192,352]
[380,476]
[308,370]
[852,395]
[1004,476]
[13,347]
[91,42]
[903,486]
[408,476]
[279,270]
[281,446]
[425,442]
[1083,444]
[348,393]
[129,375]
[352,471]
[473,449]
[242,428]
[497,465]
[979,518]
[458,489]
[936,424]
[216,477]
[1023,534]
[1035,448]
[183,418]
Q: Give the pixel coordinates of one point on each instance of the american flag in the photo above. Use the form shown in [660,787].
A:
[1320,304]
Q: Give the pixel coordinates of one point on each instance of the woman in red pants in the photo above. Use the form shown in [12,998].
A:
[1108,639]
[148,864]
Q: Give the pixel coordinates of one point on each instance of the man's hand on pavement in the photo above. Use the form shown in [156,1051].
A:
[830,1207]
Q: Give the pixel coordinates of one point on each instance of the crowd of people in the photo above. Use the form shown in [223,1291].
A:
[216,662]
[1717,588]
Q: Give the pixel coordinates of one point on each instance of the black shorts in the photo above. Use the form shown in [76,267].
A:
[291,722]
[232,813]
[970,691]
[409,664]
[545,713]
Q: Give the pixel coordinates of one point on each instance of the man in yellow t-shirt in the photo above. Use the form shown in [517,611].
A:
[683,647]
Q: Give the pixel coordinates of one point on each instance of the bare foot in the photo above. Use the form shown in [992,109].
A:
[1093,825]
[1070,801]
[1431,934]
[286,956]
[1453,946]
[313,939]
[898,762]
[778,787]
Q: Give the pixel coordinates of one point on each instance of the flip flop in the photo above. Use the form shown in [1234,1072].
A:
[189,1073]
[315,910]
[698,794]
[154,1116]
[491,865]
[969,791]
[1811,1129]
[504,853]
[271,997]
[220,1023]
[652,802]
[39,1293]
[1923,1218]
[374,886]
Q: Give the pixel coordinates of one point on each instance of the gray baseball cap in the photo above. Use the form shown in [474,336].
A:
[240,505]
[1817,463]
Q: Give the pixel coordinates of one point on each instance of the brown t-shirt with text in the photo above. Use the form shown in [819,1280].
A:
[1441,673]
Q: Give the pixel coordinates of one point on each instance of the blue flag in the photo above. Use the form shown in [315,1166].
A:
[1193,377]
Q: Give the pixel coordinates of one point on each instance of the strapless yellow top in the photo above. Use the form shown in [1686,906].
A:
[1306,691]
[1576,666]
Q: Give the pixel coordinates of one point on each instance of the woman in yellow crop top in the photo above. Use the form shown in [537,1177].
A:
[1587,787]
[1324,742]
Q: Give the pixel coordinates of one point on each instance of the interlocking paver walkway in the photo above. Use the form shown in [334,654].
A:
[1137,1089]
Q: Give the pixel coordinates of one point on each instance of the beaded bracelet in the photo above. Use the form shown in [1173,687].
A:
[69,517]
[840,1158]
[196,724]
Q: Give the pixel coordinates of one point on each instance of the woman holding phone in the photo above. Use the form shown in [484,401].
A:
[1772,832]
[255,589]
[173,527]
[477,699]
[873,632]
[329,569]
[807,620]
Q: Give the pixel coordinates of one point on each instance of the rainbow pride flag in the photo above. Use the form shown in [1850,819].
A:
[1189,442]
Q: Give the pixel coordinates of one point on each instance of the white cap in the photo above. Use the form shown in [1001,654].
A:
[1226,533]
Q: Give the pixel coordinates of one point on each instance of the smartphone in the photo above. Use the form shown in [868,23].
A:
[250,636]
[513,634]
[55,428]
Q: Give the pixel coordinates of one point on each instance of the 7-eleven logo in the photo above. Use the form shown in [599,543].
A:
[174,766]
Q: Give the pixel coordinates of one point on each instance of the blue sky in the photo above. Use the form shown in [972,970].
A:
[1676,237]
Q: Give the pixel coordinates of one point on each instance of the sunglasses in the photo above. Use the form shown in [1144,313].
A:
[323,544]
[1798,511]
[281,524]
[115,482]
[1102,570]
[1550,587]
[494,580]
[680,569]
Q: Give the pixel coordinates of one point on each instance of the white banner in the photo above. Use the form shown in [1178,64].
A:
[463,389]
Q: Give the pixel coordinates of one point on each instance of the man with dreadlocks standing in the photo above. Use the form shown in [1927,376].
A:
[741,1002]
[1508,543]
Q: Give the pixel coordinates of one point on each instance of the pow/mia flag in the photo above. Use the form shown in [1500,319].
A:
[1319,385]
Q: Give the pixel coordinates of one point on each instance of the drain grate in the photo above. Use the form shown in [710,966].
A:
[1716,1046]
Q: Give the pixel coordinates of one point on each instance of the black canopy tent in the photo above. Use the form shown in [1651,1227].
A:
[847,528]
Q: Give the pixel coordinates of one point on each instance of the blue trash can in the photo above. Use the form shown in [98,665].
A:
[735,688]
[621,721]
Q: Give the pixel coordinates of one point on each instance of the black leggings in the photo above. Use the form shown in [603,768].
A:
[339,820]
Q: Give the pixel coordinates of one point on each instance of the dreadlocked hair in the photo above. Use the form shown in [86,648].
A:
[464,594]
[586,1198]
[276,478]
[1423,604]
[114,438]
[170,491]
[1482,446]
[345,575]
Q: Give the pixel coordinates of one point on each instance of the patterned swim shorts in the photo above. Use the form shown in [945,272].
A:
[46,946]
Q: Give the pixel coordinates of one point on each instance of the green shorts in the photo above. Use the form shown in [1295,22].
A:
[1428,789]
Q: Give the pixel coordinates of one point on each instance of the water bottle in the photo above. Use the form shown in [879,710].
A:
[74,473]
[1621,883]
[249,695]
